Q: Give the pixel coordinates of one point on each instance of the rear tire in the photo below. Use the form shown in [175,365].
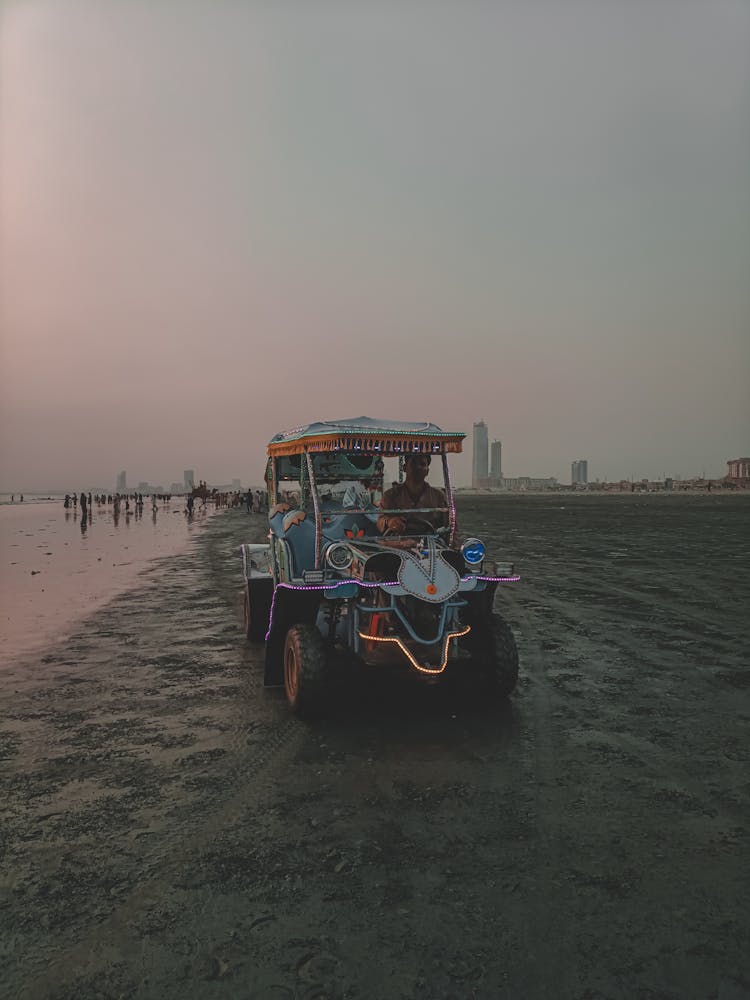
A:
[306,671]
[495,654]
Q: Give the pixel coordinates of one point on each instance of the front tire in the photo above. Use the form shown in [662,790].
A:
[495,654]
[306,670]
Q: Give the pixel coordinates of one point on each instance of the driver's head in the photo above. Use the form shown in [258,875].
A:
[417,466]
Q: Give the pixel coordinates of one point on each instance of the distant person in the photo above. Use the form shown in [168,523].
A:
[83,504]
[13,498]
[22,498]
[66,502]
[249,501]
[190,504]
[91,506]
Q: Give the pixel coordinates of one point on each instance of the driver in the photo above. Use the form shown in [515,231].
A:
[415,493]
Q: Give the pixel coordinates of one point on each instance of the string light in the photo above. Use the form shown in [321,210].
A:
[494,579]
[370,585]
[320,586]
[451,501]
[407,652]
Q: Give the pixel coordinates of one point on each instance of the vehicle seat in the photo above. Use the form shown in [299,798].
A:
[359,524]
[298,529]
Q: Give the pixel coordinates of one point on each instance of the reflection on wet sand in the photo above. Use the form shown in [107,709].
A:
[54,574]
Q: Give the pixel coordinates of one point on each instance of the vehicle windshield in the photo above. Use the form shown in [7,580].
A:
[348,494]
[344,482]
[337,486]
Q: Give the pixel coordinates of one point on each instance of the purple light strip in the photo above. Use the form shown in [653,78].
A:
[335,583]
[319,586]
[451,501]
[362,583]
[494,579]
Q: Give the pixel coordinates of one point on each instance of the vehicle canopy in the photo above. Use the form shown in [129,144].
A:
[368,435]
[331,467]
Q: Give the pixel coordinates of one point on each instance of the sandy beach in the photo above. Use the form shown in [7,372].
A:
[169,830]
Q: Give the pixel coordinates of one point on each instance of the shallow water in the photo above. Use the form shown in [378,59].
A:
[55,569]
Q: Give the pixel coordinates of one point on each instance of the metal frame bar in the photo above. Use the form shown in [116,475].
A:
[316,507]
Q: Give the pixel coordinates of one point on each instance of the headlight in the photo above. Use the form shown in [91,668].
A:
[339,556]
[473,551]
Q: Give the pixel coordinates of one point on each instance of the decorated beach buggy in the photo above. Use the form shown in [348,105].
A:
[330,582]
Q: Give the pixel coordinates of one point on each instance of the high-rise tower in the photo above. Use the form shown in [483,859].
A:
[122,479]
[188,478]
[579,472]
[479,464]
[496,463]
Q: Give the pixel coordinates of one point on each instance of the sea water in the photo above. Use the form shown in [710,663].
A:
[56,568]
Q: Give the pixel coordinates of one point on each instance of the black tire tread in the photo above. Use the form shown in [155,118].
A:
[314,671]
[495,653]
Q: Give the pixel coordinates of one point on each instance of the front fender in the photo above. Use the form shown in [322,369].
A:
[290,606]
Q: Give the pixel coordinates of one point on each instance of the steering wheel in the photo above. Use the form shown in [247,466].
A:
[428,525]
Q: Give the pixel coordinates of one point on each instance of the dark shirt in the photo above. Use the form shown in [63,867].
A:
[399,498]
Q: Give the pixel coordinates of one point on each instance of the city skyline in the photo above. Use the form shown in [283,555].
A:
[221,221]
[738,469]
[256,479]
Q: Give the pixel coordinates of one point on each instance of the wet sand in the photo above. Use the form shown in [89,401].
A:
[169,831]
[56,568]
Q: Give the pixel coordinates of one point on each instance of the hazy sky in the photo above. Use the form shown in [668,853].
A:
[222,219]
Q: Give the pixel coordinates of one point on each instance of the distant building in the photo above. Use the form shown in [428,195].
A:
[738,468]
[496,463]
[236,486]
[523,483]
[579,472]
[122,479]
[480,455]
[188,478]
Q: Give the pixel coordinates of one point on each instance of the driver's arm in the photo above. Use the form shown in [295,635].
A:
[393,524]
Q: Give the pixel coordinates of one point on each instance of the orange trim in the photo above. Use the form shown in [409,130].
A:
[408,654]
[370,444]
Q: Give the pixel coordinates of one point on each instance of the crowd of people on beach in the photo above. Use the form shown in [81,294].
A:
[116,500]
[254,501]
[127,503]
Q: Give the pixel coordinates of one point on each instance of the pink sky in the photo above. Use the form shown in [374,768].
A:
[226,220]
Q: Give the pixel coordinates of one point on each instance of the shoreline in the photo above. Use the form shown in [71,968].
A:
[58,568]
